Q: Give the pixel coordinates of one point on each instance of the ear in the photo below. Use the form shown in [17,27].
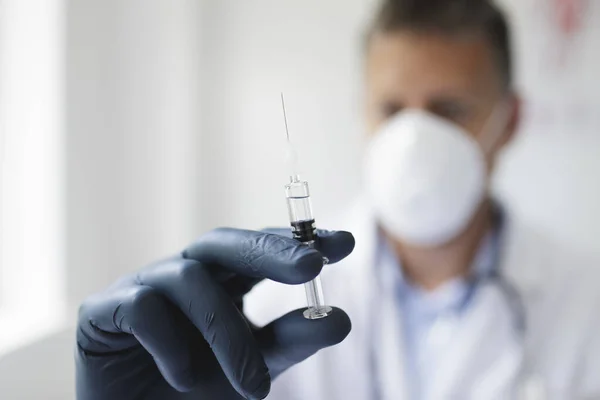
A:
[514,120]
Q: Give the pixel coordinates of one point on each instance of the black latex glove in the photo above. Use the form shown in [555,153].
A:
[175,330]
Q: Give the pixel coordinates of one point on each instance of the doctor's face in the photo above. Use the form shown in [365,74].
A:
[454,77]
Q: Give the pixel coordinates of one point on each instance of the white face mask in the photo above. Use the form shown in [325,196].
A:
[426,177]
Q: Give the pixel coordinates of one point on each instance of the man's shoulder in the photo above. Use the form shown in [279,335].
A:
[545,266]
[532,247]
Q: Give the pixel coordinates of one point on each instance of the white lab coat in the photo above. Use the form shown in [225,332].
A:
[558,354]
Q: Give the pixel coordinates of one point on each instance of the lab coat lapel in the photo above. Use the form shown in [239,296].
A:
[371,346]
[388,346]
[485,355]
[377,340]
[351,288]
[531,269]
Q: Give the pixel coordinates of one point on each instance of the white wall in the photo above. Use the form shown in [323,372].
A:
[32,246]
[132,130]
[255,49]
[45,370]
[550,176]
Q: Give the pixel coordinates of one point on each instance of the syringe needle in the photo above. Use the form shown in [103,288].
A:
[291,156]
[287,132]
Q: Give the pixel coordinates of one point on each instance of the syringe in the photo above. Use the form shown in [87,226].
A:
[305,231]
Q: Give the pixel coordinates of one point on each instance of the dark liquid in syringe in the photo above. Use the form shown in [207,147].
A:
[304,231]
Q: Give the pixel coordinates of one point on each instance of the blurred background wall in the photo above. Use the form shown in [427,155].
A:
[133,133]
[32,174]
[550,175]
[169,124]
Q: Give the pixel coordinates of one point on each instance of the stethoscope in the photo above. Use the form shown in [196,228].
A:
[494,277]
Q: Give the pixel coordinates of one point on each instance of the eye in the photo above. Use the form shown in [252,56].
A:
[452,111]
[388,110]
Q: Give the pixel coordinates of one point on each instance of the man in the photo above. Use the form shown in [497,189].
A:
[449,297]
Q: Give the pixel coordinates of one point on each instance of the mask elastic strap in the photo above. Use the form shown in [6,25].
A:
[496,123]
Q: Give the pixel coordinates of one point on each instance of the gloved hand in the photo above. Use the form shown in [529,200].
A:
[175,330]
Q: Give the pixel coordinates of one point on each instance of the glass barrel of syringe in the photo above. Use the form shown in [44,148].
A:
[305,231]
[300,211]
